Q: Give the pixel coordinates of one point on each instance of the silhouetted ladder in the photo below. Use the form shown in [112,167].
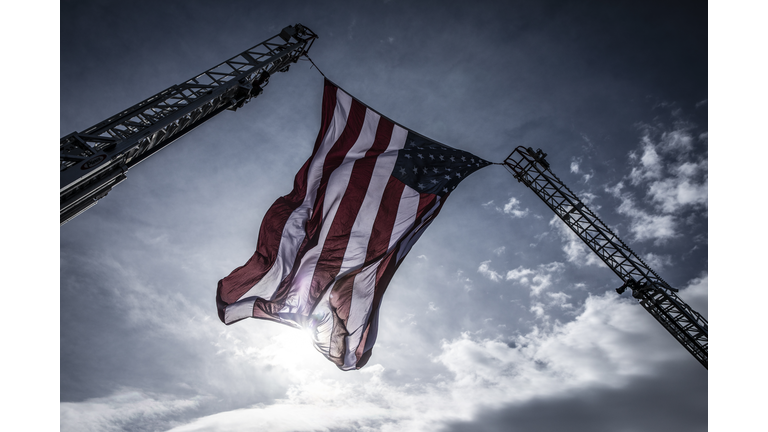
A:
[653,293]
[95,160]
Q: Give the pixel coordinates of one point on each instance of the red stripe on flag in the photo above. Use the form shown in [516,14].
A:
[328,110]
[384,274]
[385,220]
[332,161]
[378,244]
[387,269]
[337,241]
[340,303]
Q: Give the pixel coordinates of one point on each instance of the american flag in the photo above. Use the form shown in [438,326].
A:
[327,251]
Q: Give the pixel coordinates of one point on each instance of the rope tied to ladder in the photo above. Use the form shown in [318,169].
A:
[313,64]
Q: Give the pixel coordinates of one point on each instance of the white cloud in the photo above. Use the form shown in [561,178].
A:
[539,283]
[553,266]
[486,271]
[672,176]
[500,250]
[673,193]
[465,281]
[600,347]
[616,189]
[538,310]
[126,408]
[512,208]
[520,274]
[695,294]
[537,280]
[295,415]
[560,299]
[677,140]
[646,226]
[657,261]
[689,169]
[587,140]
[589,198]
[575,167]
[650,163]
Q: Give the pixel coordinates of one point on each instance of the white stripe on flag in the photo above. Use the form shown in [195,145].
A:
[294,231]
[337,185]
[239,310]
[416,233]
[362,296]
[357,248]
[322,324]
[406,215]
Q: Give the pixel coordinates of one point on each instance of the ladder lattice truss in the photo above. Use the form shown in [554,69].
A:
[95,160]
[651,291]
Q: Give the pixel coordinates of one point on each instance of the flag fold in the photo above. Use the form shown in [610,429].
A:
[327,251]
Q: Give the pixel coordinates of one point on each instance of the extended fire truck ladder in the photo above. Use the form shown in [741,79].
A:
[95,160]
[651,291]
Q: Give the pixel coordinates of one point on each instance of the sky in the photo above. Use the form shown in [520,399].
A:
[499,319]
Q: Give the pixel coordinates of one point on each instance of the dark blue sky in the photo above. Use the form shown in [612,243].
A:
[497,320]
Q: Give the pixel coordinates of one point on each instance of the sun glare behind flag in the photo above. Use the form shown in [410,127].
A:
[327,251]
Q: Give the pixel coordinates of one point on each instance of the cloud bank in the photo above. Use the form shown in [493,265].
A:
[610,346]
[670,167]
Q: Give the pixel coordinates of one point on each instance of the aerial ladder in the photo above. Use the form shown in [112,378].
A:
[651,291]
[97,159]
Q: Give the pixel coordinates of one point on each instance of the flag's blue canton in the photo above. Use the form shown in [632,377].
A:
[430,167]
